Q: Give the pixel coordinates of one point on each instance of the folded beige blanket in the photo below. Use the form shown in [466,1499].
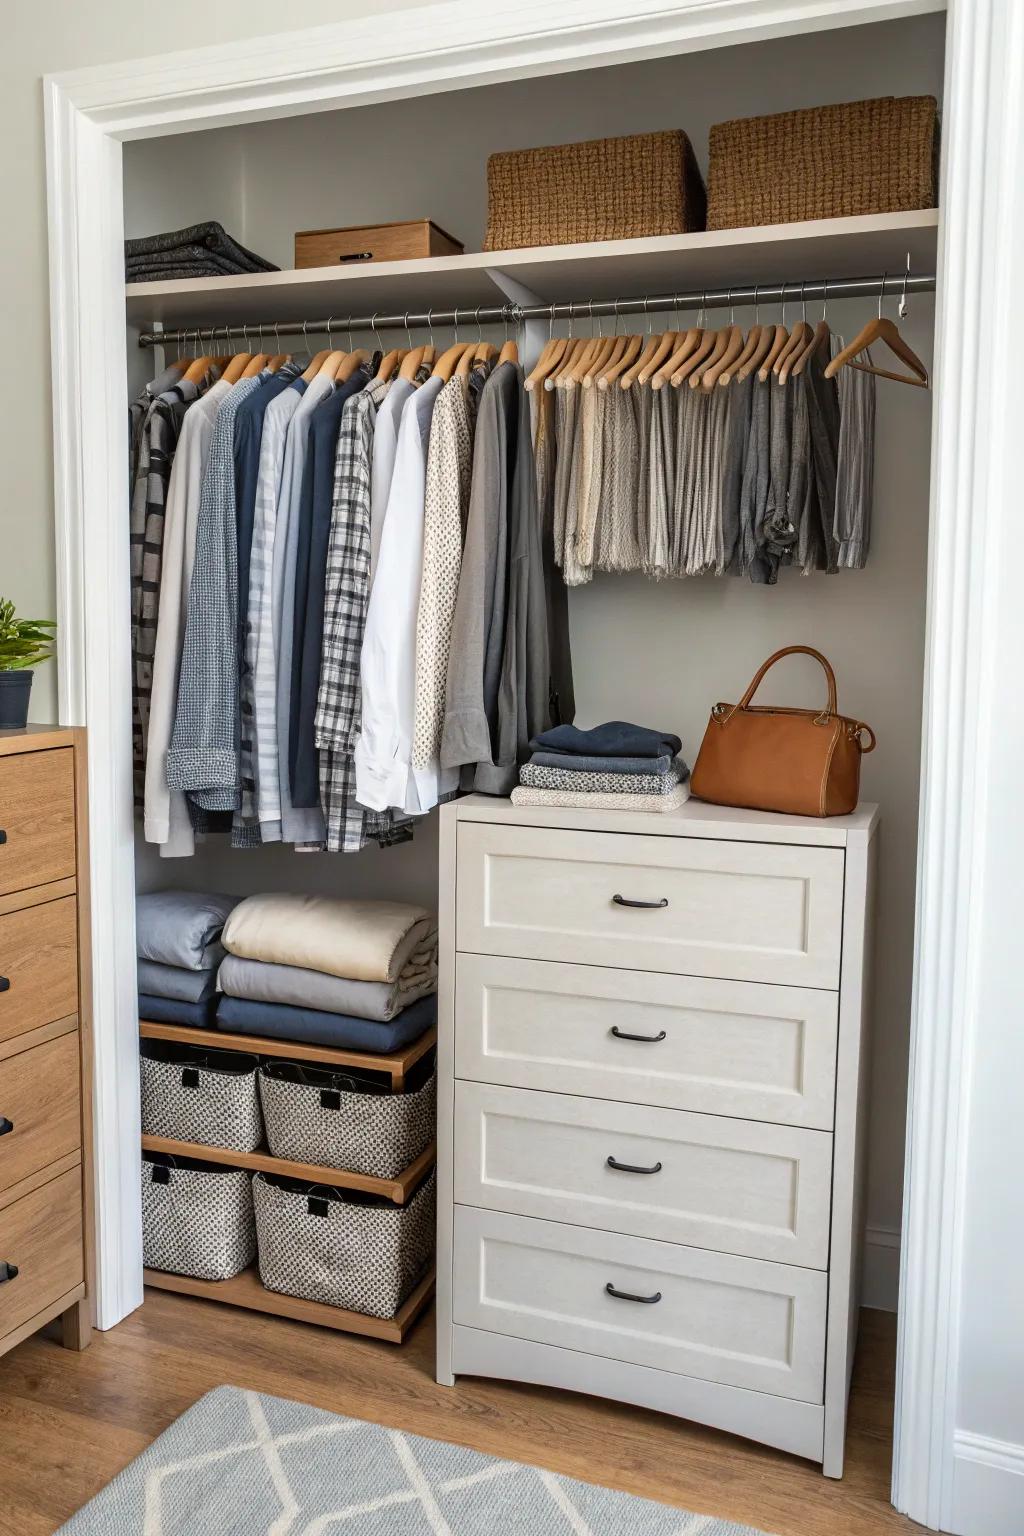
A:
[360,940]
[659,804]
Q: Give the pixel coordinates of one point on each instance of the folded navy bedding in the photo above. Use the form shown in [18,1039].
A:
[178,937]
[313,1026]
[171,1010]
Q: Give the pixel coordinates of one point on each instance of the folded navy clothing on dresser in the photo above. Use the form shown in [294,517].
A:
[313,1027]
[616,738]
[582,763]
[175,982]
[171,1010]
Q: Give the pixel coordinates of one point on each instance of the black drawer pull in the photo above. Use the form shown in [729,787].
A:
[621,1034]
[8,1272]
[631,1167]
[5,984]
[3,835]
[626,901]
[6,1126]
[648,1301]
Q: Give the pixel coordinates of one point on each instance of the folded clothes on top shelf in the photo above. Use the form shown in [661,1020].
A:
[315,1027]
[176,983]
[536,776]
[660,804]
[616,738]
[584,763]
[258,981]
[173,1010]
[201,250]
[383,941]
[181,928]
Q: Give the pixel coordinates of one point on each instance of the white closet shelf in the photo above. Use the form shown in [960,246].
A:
[832,248]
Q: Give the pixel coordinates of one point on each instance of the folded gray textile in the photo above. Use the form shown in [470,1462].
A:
[615,738]
[257,981]
[210,235]
[580,763]
[176,983]
[536,776]
[182,928]
[185,256]
[172,274]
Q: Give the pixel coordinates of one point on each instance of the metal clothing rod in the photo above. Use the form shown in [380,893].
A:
[740,295]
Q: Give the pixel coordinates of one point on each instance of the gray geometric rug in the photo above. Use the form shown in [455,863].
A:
[241,1464]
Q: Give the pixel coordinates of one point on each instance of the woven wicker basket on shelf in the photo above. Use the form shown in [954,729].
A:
[863,157]
[602,189]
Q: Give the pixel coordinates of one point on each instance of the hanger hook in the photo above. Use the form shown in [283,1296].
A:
[903,310]
[277,335]
[408,333]
[881,294]
[784,287]
[305,337]
[479,327]
[732,309]
[824,306]
[803,301]
[757,304]
[647,314]
[430,325]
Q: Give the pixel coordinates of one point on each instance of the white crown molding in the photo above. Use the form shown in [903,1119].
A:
[394,54]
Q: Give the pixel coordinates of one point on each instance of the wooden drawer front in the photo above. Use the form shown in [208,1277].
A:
[731,1185]
[42,1235]
[40,1100]
[37,812]
[746,911]
[740,1322]
[722,1047]
[39,959]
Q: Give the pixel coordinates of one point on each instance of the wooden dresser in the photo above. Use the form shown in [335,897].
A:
[652,1075]
[45,1082]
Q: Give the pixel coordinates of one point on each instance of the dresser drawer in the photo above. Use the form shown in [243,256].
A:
[42,1235]
[39,961]
[40,1108]
[683,1042]
[740,1322]
[744,911]
[37,816]
[762,1191]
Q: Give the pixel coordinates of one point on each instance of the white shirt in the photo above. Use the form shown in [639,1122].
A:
[382,468]
[383,754]
[261,651]
[166,812]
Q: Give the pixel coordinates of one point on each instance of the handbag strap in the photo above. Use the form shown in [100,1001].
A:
[831,708]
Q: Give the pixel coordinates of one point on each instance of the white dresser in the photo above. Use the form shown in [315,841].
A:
[652,1103]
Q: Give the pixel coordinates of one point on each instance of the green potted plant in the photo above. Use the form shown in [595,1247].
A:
[24,643]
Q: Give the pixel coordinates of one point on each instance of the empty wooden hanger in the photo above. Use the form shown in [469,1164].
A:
[799,337]
[820,341]
[881,329]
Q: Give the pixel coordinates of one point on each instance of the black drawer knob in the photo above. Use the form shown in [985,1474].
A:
[627,901]
[647,1301]
[5,983]
[7,1272]
[6,1126]
[3,835]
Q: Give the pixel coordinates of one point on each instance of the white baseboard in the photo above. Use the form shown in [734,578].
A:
[880,1281]
[988,1486]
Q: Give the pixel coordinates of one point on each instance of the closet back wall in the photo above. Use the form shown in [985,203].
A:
[662,653]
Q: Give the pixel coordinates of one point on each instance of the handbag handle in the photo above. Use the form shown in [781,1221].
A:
[831,708]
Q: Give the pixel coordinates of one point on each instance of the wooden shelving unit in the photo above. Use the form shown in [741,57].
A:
[246,1289]
[602,269]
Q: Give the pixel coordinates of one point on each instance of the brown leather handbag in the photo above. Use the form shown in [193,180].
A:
[800,761]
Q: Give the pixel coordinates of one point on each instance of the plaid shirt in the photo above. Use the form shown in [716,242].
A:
[346,594]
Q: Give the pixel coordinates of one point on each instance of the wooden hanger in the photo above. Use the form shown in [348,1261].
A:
[611,354]
[484,352]
[732,370]
[648,352]
[630,352]
[236,367]
[445,365]
[388,363]
[256,364]
[696,359]
[509,352]
[799,338]
[314,368]
[687,343]
[667,344]
[779,338]
[881,329]
[550,354]
[793,368]
[728,346]
[583,359]
[765,342]
[197,370]
[575,348]
[350,361]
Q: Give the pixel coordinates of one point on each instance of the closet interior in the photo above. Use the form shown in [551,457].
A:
[648,641]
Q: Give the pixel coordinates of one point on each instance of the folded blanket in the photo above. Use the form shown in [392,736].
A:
[258,982]
[313,1027]
[173,274]
[170,1010]
[211,236]
[536,777]
[584,763]
[616,738]
[564,797]
[177,983]
[181,928]
[360,940]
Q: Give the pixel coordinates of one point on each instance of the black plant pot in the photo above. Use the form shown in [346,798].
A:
[15,688]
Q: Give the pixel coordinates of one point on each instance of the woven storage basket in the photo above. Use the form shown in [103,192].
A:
[343,1120]
[876,156]
[197,1219]
[602,189]
[203,1096]
[341,1247]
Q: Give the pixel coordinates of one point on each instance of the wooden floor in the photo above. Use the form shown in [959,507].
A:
[69,1422]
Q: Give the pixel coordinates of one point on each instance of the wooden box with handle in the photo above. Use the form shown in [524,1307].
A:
[365,243]
[803,762]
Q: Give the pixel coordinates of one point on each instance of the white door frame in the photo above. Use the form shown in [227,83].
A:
[91,112]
